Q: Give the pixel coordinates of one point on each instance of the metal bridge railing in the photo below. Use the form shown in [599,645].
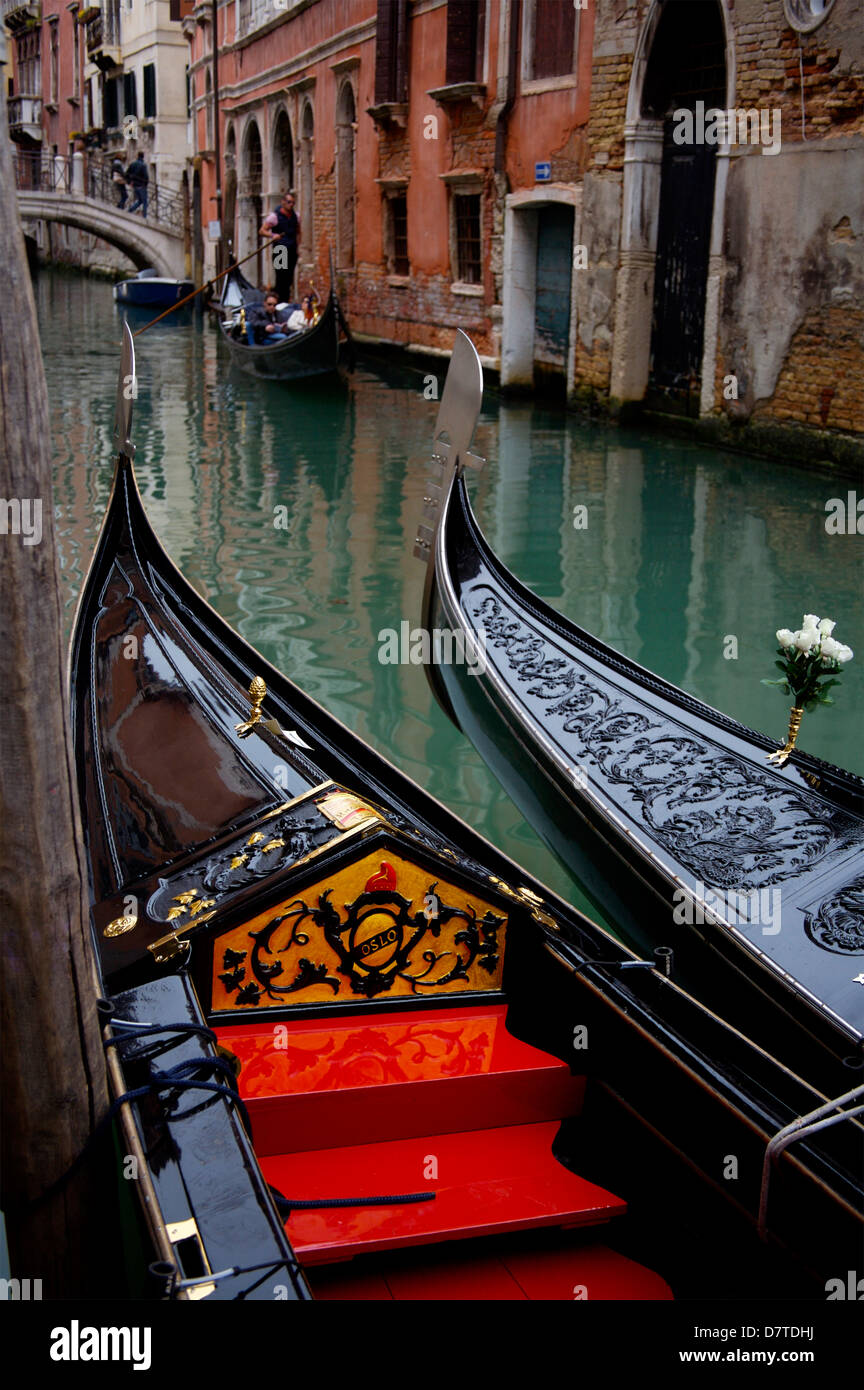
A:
[38,171]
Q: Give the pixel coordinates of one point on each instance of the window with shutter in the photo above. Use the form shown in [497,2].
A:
[130,94]
[466,213]
[466,33]
[150,89]
[554,36]
[391,52]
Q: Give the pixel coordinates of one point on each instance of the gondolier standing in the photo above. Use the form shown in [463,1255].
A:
[282,227]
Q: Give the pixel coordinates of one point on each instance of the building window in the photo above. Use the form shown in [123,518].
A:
[549,40]
[149,89]
[110,104]
[55,62]
[29,66]
[466,227]
[391,52]
[188,94]
[396,234]
[806,15]
[466,37]
[76,54]
[130,94]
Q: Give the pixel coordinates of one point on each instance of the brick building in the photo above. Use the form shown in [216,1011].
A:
[519,169]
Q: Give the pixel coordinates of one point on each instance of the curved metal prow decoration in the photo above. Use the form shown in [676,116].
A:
[461,400]
[127,390]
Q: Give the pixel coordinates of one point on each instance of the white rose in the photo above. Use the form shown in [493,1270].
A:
[830,648]
[826,627]
[843,654]
[810,623]
[785,638]
[805,639]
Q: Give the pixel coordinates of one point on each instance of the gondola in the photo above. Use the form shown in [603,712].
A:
[311,352]
[665,809]
[421,1075]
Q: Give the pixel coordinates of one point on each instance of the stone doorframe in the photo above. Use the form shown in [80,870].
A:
[518,299]
[640,214]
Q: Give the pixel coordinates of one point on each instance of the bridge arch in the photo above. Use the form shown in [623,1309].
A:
[144,244]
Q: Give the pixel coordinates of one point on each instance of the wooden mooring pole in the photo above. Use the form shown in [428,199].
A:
[52,1073]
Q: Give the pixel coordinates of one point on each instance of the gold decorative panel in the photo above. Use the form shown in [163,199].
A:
[378,926]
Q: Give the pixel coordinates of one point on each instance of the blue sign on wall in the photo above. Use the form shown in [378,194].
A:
[542,172]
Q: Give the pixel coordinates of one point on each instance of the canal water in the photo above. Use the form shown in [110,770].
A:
[683,557]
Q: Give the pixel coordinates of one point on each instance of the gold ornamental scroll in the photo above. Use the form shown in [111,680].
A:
[382,927]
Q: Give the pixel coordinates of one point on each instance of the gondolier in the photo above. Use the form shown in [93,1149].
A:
[282,227]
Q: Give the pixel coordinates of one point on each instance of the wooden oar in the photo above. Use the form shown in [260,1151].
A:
[185,300]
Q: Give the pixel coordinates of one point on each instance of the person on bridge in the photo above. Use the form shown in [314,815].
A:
[282,228]
[138,179]
[118,178]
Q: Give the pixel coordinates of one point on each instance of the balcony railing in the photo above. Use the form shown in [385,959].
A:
[18,14]
[41,172]
[25,116]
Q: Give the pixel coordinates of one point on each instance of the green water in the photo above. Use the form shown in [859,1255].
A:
[685,548]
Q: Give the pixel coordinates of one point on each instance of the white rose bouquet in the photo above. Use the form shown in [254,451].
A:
[808,656]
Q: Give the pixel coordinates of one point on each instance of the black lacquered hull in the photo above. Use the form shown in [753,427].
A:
[666,812]
[311,353]
[201,834]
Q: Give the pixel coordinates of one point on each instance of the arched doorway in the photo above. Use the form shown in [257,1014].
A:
[307,190]
[282,158]
[251,204]
[197,231]
[672,193]
[346,129]
[229,197]
[686,66]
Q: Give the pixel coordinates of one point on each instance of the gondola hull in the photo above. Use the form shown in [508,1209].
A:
[391,985]
[312,352]
[664,809]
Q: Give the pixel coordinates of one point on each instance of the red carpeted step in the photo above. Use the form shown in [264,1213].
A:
[318,1083]
[485,1181]
[573,1272]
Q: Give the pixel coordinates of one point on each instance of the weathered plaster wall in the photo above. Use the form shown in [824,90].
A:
[793,293]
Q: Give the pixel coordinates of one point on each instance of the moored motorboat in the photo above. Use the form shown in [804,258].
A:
[665,809]
[443,1065]
[152,291]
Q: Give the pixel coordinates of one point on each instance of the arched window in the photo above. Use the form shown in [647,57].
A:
[208,110]
[253,208]
[282,165]
[307,184]
[346,133]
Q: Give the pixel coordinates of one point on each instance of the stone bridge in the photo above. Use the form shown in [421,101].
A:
[146,241]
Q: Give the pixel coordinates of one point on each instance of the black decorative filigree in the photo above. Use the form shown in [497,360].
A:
[729,823]
[371,961]
[278,843]
[838,923]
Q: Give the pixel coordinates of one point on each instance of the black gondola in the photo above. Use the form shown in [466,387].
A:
[310,352]
[664,808]
[399,994]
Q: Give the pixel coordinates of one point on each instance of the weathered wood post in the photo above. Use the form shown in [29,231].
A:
[52,1073]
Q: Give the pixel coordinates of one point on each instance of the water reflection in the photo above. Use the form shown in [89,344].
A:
[294,509]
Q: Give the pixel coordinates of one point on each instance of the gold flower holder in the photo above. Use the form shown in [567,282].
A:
[781,755]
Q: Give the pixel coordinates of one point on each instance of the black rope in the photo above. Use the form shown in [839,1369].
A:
[176,1078]
[285,1205]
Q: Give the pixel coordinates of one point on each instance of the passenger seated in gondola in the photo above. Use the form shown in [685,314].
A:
[304,317]
[265,323]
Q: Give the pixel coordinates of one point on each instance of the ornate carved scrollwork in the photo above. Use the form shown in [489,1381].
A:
[730,824]
[838,922]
